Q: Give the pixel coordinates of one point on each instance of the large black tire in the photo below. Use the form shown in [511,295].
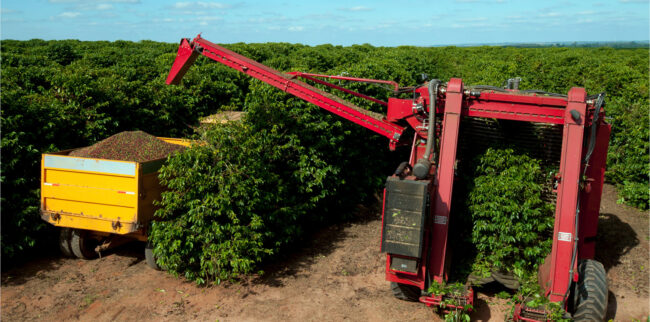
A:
[591,292]
[405,292]
[150,258]
[64,242]
[83,245]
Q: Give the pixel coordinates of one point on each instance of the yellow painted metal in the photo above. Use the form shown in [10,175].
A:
[183,142]
[104,196]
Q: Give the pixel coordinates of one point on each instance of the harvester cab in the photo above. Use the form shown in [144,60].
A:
[418,196]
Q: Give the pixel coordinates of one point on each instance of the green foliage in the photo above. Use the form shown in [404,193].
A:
[628,164]
[530,293]
[61,52]
[449,292]
[634,194]
[65,94]
[512,224]
[255,187]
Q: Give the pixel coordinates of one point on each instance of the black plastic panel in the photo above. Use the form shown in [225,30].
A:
[409,265]
[405,212]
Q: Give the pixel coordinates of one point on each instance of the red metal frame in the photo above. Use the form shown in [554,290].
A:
[445,178]
[590,195]
[343,89]
[188,52]
[575,197]
[353,79]
[564,233]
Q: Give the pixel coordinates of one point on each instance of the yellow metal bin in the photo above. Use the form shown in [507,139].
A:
[95,200]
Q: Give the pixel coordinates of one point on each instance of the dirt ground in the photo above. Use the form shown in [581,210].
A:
[339,275]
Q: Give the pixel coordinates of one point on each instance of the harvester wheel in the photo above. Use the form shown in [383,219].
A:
[83,245]
[64,242]
[150,258]
[405,292]
[591,292]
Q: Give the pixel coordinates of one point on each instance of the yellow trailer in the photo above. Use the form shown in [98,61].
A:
[95,200]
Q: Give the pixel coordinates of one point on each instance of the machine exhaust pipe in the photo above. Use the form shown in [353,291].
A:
[422,166]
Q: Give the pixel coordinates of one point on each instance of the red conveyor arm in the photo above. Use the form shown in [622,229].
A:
[189,51]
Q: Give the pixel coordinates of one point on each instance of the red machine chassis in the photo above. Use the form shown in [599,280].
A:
[579,185]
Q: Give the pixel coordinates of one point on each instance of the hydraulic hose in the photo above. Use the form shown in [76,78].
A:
[422,166]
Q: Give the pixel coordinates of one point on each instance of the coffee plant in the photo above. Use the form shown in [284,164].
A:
[512,223]
[255,187]
[59,95]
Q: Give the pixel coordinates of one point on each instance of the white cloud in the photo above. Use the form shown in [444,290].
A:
[104,6]
[296,28]
[356,9]
[69,14]
[268,20]
[473,19]
[551,15]
[208,18]
[473,25]
[327,17]
[96,1]
[482,1]
[200,5]
[7,11]
[205,20]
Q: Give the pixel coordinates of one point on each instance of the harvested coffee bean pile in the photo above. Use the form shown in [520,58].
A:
[135,146]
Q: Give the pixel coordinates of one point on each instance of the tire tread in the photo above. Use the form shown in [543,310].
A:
[81,245]
[591,292]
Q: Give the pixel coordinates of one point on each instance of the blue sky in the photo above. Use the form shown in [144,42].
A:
[380,23]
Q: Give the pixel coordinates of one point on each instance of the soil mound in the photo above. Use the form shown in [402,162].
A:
[135,146]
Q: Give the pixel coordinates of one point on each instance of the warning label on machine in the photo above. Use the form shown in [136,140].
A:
[564,236]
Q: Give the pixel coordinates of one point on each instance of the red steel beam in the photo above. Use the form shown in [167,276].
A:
[343,89]
[187,54]
[514,111]
[591,195]
[533,99]
[352,79]
[444,181]
[564,233]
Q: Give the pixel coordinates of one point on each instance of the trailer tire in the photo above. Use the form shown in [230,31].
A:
[83,245]
[591,292]
[507,279]
[150,258]
[405,292]
[64,242]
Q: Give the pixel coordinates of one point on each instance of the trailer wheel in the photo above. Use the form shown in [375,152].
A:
[150,258]
[591,292]
[405,292]
[507,279]
[83,245]
[64,242]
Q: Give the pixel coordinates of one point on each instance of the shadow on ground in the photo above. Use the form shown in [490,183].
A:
[317,244]
[615,239]
[54,260]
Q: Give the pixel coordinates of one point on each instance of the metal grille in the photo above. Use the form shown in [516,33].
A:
[538,140]
[404,216]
